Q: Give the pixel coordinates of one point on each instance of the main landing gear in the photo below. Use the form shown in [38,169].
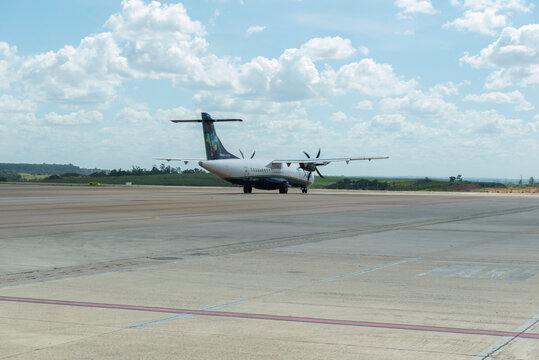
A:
[247,189]
[283,189]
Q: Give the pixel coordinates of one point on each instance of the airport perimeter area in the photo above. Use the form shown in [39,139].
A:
[156,272]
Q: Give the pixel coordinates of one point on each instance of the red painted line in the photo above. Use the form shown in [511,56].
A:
[274,317]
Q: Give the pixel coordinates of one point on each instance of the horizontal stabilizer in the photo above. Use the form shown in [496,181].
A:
[199,121]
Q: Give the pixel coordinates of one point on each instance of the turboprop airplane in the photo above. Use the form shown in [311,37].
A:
[253,173]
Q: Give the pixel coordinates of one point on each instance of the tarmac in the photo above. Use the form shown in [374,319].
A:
[151,272]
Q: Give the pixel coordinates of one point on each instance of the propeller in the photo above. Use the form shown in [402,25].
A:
[243,157]
[310,167]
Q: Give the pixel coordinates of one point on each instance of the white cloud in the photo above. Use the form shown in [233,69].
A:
[178,113]
[328,48]
[10,104]
[15,113]
[519,5]
[254,29]
[8,56]
[154,21]
[364,105]
[340,116]
[235,104]
[363,50]
[146,41]
[484,22]
[139,114]
[89,73]
[134,114]
[160,40]
[294,76]
[514,97]
[489,123]
[485,16]
[419,104]
[216,14]
[447,89]
[397,127]
[369,78]
[408,32]
[414,6]
[80,117]
[514,55]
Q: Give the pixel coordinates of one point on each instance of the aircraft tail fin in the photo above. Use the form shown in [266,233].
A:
[214,148]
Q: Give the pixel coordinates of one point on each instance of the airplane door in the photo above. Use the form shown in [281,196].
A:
[246,171]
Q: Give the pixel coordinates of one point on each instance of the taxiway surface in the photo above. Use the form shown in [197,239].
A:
[197,273]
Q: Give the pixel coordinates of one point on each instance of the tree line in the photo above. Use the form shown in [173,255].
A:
[135,171]
[42,169]
[138,171]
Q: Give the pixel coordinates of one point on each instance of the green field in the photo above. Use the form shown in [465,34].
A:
[329,182]
[32,177]
[198,179]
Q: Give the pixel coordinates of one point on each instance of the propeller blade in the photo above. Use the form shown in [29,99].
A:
[254,152]
[305,152]
[318,155]
[318,172]
[241,152]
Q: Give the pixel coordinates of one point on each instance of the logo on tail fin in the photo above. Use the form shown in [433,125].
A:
[212,141]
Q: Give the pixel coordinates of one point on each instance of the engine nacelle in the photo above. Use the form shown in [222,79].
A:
[308,166]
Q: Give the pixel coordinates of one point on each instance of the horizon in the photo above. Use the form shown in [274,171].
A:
[504,180]
[442,88]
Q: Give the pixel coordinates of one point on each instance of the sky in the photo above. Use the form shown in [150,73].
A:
[442,87]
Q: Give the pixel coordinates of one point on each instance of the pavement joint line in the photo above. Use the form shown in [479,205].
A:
[182,316]
[360,272]
[68,277]
[504,342]
[319,321]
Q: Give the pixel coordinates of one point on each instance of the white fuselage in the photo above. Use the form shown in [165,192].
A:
[258,173]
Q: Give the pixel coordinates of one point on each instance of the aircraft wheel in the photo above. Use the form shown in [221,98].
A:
[283,189]
[247,189]
[304,190]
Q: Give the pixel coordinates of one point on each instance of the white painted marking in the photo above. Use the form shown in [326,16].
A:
[502,343]
[480,263]
[481,272]
[182,316]
[344,276]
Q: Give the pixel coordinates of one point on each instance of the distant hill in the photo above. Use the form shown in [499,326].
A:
[45,169]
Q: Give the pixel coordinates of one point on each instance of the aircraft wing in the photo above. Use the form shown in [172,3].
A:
[185,160]
[324,161]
